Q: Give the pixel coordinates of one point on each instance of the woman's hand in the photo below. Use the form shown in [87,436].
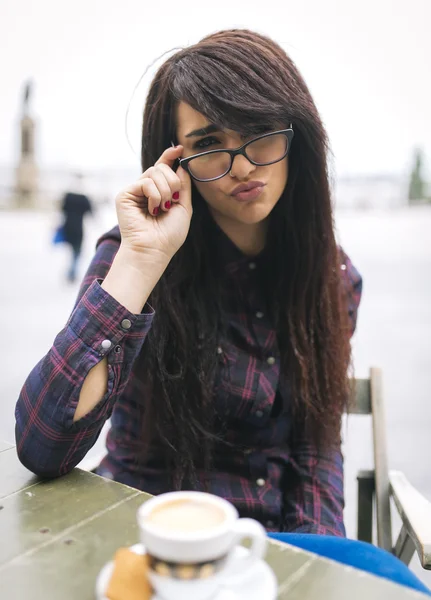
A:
[154,213]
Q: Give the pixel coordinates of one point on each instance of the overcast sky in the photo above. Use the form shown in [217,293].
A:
[367,63]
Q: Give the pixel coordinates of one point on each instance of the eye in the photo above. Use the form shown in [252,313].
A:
[205,143]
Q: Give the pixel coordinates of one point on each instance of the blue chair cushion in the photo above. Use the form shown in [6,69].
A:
[355,554]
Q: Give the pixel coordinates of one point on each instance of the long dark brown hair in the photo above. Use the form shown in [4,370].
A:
[245,82]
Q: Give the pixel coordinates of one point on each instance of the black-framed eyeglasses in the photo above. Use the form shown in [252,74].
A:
[263,150]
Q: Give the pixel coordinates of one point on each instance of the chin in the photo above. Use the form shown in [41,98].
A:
[253,215]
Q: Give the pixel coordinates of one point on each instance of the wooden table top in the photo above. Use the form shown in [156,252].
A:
[56,535]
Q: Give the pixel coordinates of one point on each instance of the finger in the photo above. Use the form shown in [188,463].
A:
[185,198]
[173,181]
[144,188]
[153,195]
[163,186]
[170,155]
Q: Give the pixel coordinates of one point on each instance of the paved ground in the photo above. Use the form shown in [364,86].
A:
[391,249]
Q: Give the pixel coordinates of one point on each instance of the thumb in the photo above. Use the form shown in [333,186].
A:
[186,189]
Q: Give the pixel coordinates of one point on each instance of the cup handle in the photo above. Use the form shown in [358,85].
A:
[248,528]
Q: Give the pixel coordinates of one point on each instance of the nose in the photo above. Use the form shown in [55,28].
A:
[241,167]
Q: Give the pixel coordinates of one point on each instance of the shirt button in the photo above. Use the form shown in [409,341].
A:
[126,324]
[270,524]
[259,314]
[259,413]
[117,349]
[219,350]
[106,344]
[252,266]
[270,360]
[343,267]
[260,482]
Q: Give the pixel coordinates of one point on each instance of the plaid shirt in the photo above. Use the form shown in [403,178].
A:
[285,488]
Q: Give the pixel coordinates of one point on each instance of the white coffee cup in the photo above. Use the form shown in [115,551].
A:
[190,538]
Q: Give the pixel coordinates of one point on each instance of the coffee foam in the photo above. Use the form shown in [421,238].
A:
[186,515]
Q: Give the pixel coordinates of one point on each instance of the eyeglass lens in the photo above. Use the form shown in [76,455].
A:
[262,151]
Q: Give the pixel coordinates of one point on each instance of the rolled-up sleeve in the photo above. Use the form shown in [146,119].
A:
[315,503]
[49,443]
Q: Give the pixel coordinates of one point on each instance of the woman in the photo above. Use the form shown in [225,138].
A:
[219,342]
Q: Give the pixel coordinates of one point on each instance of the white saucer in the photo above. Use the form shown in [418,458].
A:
[261,583]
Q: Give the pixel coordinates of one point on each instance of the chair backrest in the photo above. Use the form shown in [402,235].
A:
[367,399]
[360,399]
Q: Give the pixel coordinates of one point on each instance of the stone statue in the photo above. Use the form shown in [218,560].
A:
[26,97]
[26,186]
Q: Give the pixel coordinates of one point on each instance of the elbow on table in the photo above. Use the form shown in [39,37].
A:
[33,461]
[45,471]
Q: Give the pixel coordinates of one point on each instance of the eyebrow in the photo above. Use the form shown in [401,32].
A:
[203,131]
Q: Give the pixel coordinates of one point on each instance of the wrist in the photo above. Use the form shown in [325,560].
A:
[130,281]
[142,261]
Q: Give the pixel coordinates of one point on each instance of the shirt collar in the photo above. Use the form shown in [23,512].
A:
[231,258]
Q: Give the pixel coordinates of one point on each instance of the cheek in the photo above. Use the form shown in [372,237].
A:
[209,191]
[282,174]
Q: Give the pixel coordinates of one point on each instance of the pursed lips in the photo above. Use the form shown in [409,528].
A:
[245,187]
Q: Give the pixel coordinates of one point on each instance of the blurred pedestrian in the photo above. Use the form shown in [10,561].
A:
[75,205]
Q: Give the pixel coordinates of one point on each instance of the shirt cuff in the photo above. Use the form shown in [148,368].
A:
[102,324]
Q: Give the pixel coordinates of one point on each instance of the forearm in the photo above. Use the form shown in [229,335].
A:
[49,442]
[130,283]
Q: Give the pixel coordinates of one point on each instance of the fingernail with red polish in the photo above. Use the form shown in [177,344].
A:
[168,204]
[176,196]
[156,210]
